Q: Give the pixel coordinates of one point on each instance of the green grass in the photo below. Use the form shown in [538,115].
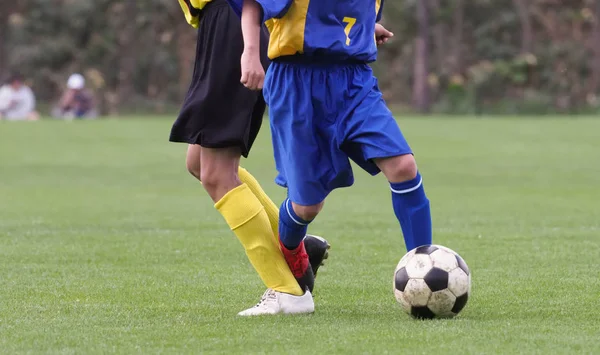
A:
[108,246]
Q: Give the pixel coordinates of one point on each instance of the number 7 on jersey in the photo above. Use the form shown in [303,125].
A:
[349,21]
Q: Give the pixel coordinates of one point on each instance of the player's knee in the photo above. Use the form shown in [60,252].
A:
[192,160]
[210,179]
[400,168]
[308,213]
[218,179]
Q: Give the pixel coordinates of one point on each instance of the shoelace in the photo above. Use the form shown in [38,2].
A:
[269,294]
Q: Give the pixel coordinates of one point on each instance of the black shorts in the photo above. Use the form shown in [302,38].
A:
[218,111]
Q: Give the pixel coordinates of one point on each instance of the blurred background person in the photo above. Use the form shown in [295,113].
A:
[77,102]
[17,101]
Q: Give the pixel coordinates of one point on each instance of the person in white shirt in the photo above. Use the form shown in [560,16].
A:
[17,102]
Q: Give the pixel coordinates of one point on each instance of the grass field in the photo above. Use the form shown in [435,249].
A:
[108,246]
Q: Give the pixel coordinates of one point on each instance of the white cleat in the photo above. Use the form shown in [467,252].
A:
[273,302]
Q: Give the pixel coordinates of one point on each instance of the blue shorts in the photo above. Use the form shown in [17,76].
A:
[321,116]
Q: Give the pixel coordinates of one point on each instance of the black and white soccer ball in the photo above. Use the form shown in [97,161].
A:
[432,281]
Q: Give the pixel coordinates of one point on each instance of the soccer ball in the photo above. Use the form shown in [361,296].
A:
[432,281]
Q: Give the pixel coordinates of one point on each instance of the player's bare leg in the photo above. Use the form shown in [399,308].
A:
[192,160]
[308,213]
[219,170]
[247,218]
[236,197]
[317,248]
[399,168]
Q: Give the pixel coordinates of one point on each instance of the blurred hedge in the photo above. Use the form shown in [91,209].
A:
[478,56]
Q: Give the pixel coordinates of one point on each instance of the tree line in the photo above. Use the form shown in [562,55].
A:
[447,56]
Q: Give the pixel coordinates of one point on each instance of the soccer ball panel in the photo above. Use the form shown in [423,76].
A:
[444,260]
[400,279]
[442,302]
[445,249]
[402,263]
[422,313]
[418,266]
[436,279]
[426,249]
[458,282]
[462,264]
[459,259]
[417,292]
[402,300]
[460,303]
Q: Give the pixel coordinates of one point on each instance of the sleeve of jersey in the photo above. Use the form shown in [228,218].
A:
[380,12]
[270,8]
[274,8]
[190,12]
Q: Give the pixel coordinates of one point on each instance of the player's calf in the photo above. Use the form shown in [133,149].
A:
[410,203]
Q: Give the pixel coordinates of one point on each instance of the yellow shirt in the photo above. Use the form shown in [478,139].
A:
[191,9]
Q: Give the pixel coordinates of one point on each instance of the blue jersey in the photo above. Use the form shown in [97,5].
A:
[336,30]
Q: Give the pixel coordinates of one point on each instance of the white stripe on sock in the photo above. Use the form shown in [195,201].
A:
[408,190]
[287,208]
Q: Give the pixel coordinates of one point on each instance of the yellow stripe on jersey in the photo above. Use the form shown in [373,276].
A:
[270,25]
[287,33]
[191,9]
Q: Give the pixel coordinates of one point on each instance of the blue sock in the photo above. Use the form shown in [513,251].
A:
[411,207]
[292,228]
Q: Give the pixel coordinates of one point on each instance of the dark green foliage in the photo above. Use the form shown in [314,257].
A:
[511,56]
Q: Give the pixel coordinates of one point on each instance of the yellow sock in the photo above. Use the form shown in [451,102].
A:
[248,220]
[265,201]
